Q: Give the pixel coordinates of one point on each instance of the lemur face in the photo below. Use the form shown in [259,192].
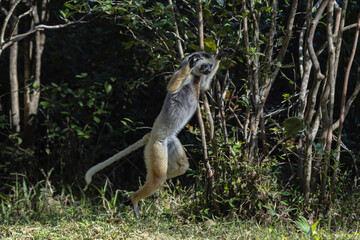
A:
[202,63]
[206,68]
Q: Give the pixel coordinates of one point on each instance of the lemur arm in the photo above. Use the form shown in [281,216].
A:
[178,78]
[206,80]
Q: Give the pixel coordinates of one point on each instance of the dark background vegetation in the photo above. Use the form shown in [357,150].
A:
[101,90]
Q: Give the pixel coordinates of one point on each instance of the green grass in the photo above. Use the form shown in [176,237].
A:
[82,221]
[153,227]
[39,212]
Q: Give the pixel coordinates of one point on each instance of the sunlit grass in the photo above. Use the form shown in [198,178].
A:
[154,227]
[36,212]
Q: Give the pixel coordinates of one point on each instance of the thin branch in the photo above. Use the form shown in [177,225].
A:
[6,21]
[275,146]
[34,29]
[18,20]
[270,46]
[323,47]
[341,15]
[310,39]
[342,106]
[331,76]
[344,109]
[200,25]
[349,27]
[4,11]
[348,104]
[288,34]
[144,42]
[301,51]
[316,6]
[327,104]
[177,34]
[266,86]
[208,114]
[18,90]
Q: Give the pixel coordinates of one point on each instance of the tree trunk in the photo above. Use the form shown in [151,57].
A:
[32,91]
[14,84]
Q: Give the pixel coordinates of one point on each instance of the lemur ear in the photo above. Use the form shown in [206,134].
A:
[194,59]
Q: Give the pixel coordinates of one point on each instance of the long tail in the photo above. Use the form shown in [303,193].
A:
[90,173]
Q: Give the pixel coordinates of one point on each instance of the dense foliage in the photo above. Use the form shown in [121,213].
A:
[103,81]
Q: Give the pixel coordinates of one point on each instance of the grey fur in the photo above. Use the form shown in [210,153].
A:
[205,59]
[186,59]
[164,155]
[177,110]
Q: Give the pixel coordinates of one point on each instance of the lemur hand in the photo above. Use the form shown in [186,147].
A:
[225,52]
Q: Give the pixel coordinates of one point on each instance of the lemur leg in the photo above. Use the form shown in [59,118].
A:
[156,164]
[177,160]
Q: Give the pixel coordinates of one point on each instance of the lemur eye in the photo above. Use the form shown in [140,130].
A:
[203,67]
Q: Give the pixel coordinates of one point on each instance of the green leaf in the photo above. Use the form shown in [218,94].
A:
[267,207]
[81,75]
[108,87]
[90,102]
[313,227]
[63,14]
[111,129]
[278,64]
[209,42]
[266,9]
[96,119]
[194,47]
[293,125]
[259,53]
[68,5]
[128,119]
[35,85]
[273,212]
[303,225]
[44,104]
[245,101]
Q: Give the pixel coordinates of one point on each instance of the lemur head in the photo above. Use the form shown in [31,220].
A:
[201,63]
